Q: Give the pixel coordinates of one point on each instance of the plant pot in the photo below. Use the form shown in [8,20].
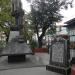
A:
[40,50]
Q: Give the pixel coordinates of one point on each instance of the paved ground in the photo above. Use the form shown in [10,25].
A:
[28,71]
[42,57]
[39,59]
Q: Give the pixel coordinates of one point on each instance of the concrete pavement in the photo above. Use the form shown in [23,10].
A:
[37,60]
[41,57]
[28,71]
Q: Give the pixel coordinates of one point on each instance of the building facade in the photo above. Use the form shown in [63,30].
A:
[71,32]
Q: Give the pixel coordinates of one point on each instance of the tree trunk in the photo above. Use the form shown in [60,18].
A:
[40,38]
[40,42]
[42,35]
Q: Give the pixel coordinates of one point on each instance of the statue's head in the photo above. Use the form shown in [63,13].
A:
[16,5]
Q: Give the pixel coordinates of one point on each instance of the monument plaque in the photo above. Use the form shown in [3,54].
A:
[59,56]
[58,52]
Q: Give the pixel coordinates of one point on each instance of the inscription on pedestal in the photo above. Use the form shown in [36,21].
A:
[59,56]
[58,52]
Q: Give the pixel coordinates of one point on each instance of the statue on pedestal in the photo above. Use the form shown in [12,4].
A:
[18,13]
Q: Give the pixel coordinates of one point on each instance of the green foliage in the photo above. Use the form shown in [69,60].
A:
[2,44]
[29,22]
[51,31]
[5,12]
[7,31]
[44,13]
[33,44]
[27,31]
[5,15]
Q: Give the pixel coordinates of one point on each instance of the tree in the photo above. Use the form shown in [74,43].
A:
[5,11]
[44,13]
[27,28]
[5,15]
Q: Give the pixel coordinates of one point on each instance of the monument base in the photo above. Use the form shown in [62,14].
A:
[61,70]
[16,58]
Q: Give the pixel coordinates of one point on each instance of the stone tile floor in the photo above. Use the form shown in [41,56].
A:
[28,71]
[39,59]
[40,70]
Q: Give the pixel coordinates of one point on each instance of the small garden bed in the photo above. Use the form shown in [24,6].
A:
[40,50]
[35,49]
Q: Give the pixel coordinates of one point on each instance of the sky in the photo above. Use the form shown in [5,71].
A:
[68,14]
[26,5]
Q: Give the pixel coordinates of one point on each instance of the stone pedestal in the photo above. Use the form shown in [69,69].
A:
[61,70]
[59,57]
[16,58]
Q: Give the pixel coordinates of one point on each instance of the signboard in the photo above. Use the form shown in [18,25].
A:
[59,56]
[59,52]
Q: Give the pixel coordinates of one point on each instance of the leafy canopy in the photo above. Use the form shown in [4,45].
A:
[5,12]
[44,13]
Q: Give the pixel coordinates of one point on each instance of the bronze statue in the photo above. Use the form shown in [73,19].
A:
[18,13]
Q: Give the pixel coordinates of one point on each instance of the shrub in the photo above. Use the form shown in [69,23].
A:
[2,44]
[33,44]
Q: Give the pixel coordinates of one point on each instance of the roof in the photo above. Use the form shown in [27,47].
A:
[70,23]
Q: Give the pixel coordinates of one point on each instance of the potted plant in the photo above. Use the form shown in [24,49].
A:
[33,45]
